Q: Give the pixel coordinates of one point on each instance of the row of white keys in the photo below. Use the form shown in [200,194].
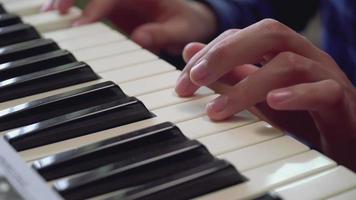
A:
[87,41]
[328,184]
[77,32]
[23,7]
[52,20]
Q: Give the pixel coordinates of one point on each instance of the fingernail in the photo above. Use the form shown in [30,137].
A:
[218,105]
[200,74]
[280,96]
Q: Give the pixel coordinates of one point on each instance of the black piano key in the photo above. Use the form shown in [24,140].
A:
[35,63]
[189,184]
[115,176]
[8,19]
[2,9]
[60,104]
[268,197]
[26,49]
[86,121]
[137,145]
[46,80]
[17,33]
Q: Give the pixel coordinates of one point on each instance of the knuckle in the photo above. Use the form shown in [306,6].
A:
[229,32]
[336,89]
[336,93]
[296,65]
[273,26]
[275,30]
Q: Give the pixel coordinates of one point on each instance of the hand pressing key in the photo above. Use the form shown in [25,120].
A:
[299,88]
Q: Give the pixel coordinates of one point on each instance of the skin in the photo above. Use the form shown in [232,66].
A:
[157,25]
[299,88]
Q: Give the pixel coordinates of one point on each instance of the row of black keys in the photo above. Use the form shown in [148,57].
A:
[136,164]
[27,61]
[155,163]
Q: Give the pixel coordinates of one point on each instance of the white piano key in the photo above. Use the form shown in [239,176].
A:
[207,127]
[122,60]
[149,84]
[77,32]
[131,88]
[24,7]
[265,152]
[268,177]
[52,20]
[348,195]
[143,89]
[105,50]
[184,111]
[169,97]
[90,41]
[140,71]
[319,186]
[240,137]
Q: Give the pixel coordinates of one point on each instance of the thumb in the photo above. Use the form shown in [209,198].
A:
[157,36]
[95,10]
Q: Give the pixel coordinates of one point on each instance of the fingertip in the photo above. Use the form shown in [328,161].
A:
[221,108]
[81,21]
[143,38]
[184,86]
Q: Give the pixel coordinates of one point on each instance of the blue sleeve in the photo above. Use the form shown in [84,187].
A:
[242,13]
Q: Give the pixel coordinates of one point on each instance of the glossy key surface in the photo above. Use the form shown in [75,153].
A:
[57,105]
[185,185]
[46,80]
[9,19]
[35,63]
[17,33]
[115,176]
[137,145]
[26,49]
[2,9]
[86,121]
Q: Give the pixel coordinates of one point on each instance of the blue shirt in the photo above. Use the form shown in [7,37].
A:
[338,20]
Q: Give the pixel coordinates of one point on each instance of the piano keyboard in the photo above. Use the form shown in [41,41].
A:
[97,117]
